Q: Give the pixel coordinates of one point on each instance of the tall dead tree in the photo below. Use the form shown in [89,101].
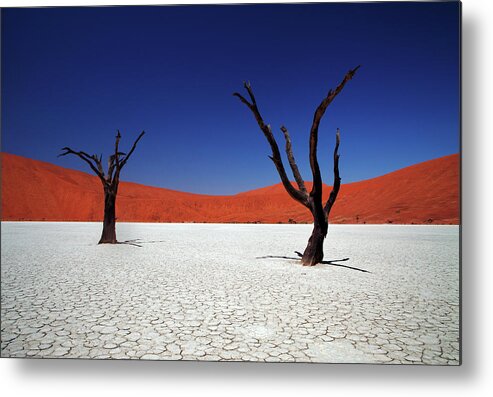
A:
[312,200]
[110,182]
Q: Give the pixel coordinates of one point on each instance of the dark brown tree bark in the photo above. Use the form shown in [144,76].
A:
[312,200]
[110,182]
[108,236]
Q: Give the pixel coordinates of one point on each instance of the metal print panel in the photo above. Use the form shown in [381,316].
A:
[256,183]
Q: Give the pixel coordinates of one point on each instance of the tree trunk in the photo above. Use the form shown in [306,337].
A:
[109,233]
[314,251]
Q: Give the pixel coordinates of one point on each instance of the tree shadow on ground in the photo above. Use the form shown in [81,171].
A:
[138,242]
[331,262]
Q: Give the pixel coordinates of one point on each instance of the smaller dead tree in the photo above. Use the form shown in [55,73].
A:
[110,182]
[312,200]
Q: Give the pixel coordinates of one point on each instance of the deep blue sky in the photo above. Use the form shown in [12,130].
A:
[72,76]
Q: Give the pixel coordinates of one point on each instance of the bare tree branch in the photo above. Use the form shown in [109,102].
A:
[276,155]
[125,159]
[292,162]
[242,99]
[117,142]
[110,183]
[113,160]
[111,167]
[114,163]
[248,87]
[316,191]
[88,159]
[97,161]
[337,178]
[314,251]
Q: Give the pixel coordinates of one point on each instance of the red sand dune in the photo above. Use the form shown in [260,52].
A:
[423,193]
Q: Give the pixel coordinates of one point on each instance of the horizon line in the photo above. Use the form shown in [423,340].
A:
[234,194]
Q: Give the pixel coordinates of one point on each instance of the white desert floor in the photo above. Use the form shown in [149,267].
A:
[201,292]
